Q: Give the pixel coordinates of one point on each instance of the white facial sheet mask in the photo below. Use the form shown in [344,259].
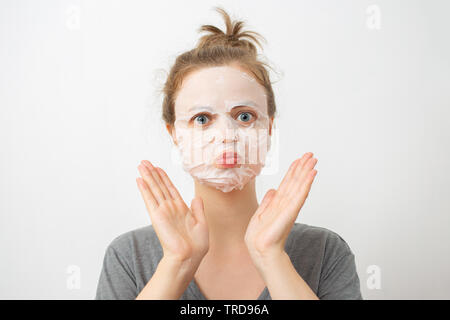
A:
[214,92]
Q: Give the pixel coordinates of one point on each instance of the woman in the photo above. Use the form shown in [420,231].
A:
[219,109]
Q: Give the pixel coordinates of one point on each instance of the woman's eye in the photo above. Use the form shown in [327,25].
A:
[245,116]
[201,119]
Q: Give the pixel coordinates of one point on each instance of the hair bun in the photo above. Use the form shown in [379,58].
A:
[233,36]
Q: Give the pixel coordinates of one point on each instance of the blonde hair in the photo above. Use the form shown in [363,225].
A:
[218,48]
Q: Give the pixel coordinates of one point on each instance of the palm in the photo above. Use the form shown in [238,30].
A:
[176,228]
[182,231]
[273,220]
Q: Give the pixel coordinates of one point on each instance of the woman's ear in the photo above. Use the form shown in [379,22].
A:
[171,131]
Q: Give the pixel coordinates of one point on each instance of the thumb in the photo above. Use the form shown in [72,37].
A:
[267,197]
[266,200]
[198,209]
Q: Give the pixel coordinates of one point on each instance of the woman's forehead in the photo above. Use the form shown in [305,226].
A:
[218,88]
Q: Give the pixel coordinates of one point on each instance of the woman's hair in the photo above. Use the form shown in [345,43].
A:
[218,49]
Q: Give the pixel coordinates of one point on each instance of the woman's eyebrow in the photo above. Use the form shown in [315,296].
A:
[249,103]
[200,108]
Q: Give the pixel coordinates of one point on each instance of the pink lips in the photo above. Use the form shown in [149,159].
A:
[227,160]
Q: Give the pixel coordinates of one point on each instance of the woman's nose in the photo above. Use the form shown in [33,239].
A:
[230,140]
[229,135]
[226,131]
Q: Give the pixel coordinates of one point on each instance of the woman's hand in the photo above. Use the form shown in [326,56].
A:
[183,232]
[272,222]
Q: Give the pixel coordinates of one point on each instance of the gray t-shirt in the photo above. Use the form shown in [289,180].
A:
[321,257]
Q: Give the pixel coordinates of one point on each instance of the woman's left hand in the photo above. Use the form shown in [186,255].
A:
[272,222]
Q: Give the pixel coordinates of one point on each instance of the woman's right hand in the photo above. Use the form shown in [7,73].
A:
[182,231]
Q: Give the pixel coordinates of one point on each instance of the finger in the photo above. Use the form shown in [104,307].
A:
[147,196]
[300,172]
[169,185]
[309,180]
[305,158]
[289,175]
[305,188]
[158,179]
[266,200]
[152,184]
[299,191]
[307,168]
[198,210]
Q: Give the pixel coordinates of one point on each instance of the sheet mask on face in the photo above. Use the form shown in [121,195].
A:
[221,127]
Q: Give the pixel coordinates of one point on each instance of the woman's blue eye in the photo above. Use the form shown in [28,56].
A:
[245,116]
[201,119]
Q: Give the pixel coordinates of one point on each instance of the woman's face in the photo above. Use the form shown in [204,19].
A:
[222,126]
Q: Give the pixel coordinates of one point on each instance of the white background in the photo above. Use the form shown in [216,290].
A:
[79,110]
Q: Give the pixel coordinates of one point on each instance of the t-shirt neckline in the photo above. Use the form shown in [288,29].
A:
[199,295]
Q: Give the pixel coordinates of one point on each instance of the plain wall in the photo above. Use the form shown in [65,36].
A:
[365,85]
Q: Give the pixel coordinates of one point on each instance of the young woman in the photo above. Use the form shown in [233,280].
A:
[219,109]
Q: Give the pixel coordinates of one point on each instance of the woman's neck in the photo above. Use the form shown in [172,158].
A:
[227,215]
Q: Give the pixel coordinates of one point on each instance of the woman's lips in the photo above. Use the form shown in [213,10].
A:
[227,160]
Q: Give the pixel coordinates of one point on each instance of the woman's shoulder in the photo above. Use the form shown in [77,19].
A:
[308,238]
[325,261]
[303,229]
[137,243]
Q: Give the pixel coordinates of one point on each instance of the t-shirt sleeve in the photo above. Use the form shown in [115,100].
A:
[339,278]
[117,280]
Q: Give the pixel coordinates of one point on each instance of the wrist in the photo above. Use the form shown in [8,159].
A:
[175,266]
[271,260]
[183,269]
[169,281]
